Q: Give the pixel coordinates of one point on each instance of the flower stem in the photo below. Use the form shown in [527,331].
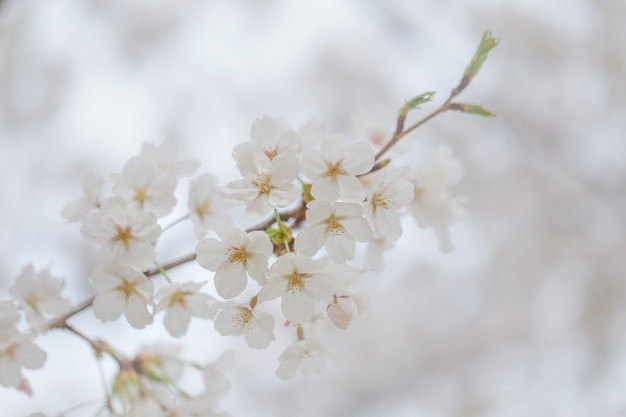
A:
[163,272]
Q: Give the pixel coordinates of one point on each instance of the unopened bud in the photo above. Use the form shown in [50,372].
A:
[342,311]
[415,102]
[471,109]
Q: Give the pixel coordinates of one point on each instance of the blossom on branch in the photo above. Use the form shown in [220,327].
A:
[235,256]
[299,280]
[125,236]
[206,208]
[39,293]
[334,167]
[308,356]
[336,226]
[93,181]
[388,194]
[236,319]
[16,352]
[181,301]
[122,289]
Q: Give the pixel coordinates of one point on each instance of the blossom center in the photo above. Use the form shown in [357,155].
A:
[382,200]
[141,195]
[270,153]
[335,169]
[262,182]
[123,235]
[128,289]
[296,282]
[178,298]
[334,227]
[203,209]
[243,317]
[236,255]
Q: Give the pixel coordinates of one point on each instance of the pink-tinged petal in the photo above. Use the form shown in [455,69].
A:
[297,306]
[350,188]
[340,248]
[359,158]
[230,282]
[326,188]
[109,305]
[261,333]
[137,313]
[176,321]
[284,195]
[30,356]
[230,321]
[310,239]
[210,254]
[257,267]
[260,243]
[359,229]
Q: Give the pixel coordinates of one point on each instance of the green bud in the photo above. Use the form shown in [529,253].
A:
[471,109]
[415,102]
[486,44]
[280,235]
[306,192]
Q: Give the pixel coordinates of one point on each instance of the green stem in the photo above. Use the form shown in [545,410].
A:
[163,272]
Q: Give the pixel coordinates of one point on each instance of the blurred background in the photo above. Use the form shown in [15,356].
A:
[526,318]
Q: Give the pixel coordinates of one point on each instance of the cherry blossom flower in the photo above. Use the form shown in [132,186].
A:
[16,352]
[181,301]
[206,208]
[235,256]
[165,157]
[432,204]
[308,356]
[144,187]
[266,184]
[93,182]
[39,293]
[122,289]
[9,314]
[386,196]
[236,319]
[333,169]
[269,137]
[299,280]
[125,236]
[336,226]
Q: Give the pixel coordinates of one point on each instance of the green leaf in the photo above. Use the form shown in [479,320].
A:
[415,102]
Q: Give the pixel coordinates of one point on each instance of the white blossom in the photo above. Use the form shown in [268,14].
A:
[206,207]
[93,182]
[9,314]
[125,236]
[308,356]
[386,196]
[144,187]
[39,293]
[432,204]
[16,352]
[165,157]
[236,319]
[235,256]
[181,301]
[270,137]
[299,280]
[334,167]
[266,184]
[122,289]
[336,226]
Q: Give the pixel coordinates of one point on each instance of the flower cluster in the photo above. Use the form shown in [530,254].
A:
[327,206]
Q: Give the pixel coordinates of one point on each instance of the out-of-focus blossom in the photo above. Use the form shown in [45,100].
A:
[206,207]
[38,293]
[16,352]
[125,236]
[308,356]
[93,182]
[236,319]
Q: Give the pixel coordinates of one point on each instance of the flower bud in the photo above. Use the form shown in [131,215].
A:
[342,311]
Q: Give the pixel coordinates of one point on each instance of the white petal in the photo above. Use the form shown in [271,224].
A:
[297,306]
[176,321]
[137,313]
[109,305]
[310,239]
[229,322]
[231,282]
[261,334]
[210,253]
